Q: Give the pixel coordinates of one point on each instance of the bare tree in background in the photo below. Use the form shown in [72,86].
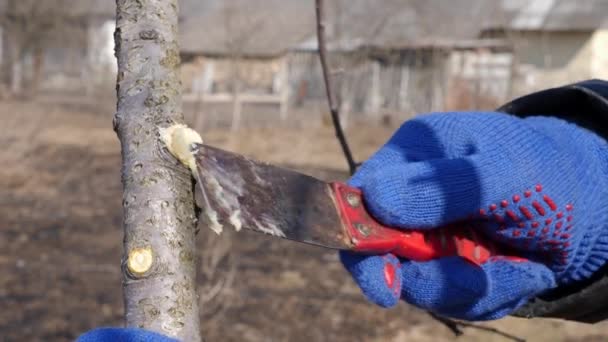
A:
[30,27]
[454,326]
[234,45]
[238,35]
[158,201]
[217,271]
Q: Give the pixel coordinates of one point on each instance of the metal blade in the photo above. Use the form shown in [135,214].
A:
[245,193]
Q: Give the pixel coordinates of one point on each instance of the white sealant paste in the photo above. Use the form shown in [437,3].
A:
[179,140]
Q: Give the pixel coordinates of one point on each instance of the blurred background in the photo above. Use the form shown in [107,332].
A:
[252,83]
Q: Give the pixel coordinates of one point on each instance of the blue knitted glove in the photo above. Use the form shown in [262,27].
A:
[123,335]
[538,185]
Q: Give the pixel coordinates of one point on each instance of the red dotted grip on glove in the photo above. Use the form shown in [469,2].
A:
[369,236]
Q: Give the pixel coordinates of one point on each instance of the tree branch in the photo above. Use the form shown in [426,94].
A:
[455,327]
[333,107]
[159,280]
[450,324]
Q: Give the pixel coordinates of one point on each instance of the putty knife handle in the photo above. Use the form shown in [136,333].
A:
[369,236]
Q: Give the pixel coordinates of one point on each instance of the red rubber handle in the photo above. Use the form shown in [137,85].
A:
[369,236]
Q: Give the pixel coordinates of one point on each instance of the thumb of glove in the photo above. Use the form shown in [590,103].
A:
[378,276]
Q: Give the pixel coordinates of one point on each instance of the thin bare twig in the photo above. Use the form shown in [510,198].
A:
[450,324]
[335,116]
[492,330]
[333,107]
[456,328]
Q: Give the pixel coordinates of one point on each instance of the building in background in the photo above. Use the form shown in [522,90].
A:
[256,61]
[56,45]
[554,41]
[392,60]
[235,59]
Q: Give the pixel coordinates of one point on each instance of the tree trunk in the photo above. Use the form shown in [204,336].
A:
[16,66]
[34,86]
[3,59]
[158,201]
[237,106]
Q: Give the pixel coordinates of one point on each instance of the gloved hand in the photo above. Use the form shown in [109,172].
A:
[538,185]
[123,335]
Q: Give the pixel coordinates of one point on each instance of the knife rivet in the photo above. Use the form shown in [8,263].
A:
[353,200]
[362,228]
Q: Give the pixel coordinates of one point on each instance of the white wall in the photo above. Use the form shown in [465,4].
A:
[101,47]
[549,59]
[599,54]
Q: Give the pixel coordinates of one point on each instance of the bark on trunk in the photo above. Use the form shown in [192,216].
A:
[158,201]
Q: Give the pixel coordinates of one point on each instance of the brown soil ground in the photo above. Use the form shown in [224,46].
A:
[61,244]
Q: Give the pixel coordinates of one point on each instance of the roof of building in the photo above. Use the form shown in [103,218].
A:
[552,15]
[106,8]
[271,27]
[247,27]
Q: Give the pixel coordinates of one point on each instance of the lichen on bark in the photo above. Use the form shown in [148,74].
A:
[158,199]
